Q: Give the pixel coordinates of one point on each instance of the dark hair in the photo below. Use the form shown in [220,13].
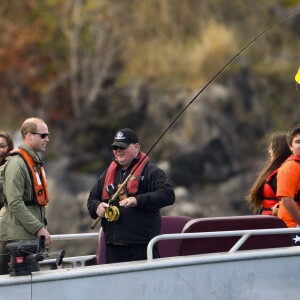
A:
[10,145]
[292,133]
[8,139]
[280,152]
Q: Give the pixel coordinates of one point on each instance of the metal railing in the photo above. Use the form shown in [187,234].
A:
[73,236]
[245,234]
[75,261]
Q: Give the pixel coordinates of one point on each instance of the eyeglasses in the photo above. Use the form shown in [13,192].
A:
[118,148]
[42,135]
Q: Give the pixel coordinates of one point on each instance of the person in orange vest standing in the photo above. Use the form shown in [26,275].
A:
[25,189]
[133,218]
[288,184]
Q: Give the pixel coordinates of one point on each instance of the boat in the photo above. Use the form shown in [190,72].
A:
[240,257]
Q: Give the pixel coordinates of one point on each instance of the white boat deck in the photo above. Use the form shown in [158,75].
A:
[253,274]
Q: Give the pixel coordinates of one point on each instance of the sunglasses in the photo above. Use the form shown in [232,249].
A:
[42,135]
[118,148]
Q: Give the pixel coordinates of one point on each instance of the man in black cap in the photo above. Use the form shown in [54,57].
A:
[147,191]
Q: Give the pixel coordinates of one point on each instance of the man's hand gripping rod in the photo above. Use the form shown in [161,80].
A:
[114,197]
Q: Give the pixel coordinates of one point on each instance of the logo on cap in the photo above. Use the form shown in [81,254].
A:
[120,136]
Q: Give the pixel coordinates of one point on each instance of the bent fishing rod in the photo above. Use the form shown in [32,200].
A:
[112,212]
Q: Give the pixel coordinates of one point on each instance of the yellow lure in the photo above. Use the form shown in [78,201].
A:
[297,77]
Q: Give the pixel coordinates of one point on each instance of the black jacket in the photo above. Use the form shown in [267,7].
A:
[136,225]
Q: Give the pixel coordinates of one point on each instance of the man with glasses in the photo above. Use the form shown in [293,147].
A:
[146,192]
[25,188]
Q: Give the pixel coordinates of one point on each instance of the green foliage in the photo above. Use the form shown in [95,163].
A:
[169,42]
[62,58]
[180,60]
[288,3]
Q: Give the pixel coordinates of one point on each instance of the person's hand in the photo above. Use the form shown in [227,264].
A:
[275,209]
[43,231]
[101,209]
[128,202]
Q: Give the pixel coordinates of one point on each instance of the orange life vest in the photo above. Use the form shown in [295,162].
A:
[269,195]
[283,213]
[38,176]
[133,183]
[292,157]
[296,158]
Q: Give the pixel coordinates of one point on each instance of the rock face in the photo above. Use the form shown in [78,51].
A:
[209,155]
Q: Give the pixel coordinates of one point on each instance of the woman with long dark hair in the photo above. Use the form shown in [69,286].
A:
[262,195]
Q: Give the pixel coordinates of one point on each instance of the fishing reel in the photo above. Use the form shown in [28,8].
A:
[112,213]
[26,254]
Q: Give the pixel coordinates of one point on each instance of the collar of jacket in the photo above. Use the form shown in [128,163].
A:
[32,154]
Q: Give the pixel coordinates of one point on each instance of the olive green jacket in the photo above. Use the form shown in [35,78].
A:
[2,165]
[20,222]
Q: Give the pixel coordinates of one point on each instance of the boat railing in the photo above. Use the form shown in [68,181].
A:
[245,234]
[75,261]
[73,236]
[80,261]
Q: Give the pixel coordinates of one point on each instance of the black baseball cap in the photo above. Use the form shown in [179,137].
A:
[124,137]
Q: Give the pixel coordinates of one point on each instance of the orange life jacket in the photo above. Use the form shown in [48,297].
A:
[269,192]
[38,176]
[292,157]
[269,195]
[283,213]
[133,183]
[296,158]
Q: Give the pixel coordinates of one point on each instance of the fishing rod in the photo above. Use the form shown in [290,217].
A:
[112,211]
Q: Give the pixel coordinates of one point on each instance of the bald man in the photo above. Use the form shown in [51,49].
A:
[25,189]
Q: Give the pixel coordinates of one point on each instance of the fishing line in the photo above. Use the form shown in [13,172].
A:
[215,76]
[205,86]
[219,72]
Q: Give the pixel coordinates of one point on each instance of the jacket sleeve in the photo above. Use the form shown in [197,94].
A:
[155,190]
[17,187]
[95,197]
